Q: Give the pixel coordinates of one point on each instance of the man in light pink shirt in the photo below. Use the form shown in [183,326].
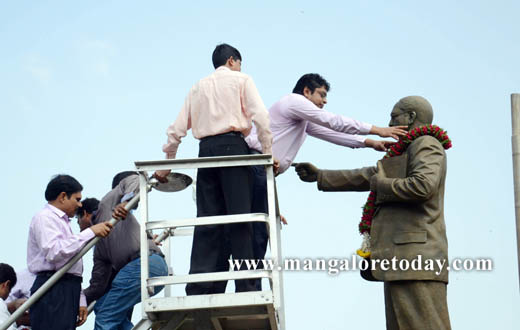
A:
[294,117]
[50,246]
[220,109]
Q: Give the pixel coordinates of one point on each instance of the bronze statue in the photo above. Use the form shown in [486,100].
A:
[407,245]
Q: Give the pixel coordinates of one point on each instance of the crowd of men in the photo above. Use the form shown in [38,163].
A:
[226,113]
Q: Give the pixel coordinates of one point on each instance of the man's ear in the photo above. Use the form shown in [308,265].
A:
[5,285]
[230,61]
[62,196]
[307,92]
[411,117]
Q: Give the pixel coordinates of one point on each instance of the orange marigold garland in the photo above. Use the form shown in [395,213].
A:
[396,149]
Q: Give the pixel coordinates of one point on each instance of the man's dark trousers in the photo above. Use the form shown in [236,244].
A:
[222,191]
[58,308]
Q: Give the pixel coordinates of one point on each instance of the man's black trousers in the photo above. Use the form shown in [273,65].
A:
[58,308]
[222,191]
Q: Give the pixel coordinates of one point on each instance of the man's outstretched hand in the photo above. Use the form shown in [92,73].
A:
[307,172]
[378,145]
[393,132]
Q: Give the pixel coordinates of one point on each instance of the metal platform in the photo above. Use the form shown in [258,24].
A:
[259,310]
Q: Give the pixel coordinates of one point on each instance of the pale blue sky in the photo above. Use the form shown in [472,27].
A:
[89,88]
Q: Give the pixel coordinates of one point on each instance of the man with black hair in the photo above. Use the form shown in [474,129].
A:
[301,113]
[86,211]
[7,282]
[116,275]
[294,117]
[219,109]
[50,246]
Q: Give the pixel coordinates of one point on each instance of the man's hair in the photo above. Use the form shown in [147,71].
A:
[311,81]
[62,183]
[222,53]
[88,205]
[7,273]
[120,176]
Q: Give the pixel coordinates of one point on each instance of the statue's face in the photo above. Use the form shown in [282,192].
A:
[400,117]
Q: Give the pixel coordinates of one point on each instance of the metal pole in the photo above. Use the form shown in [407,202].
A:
[515,118]
[54,278]
[90,307]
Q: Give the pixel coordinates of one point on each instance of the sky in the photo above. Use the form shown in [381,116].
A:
[88,88]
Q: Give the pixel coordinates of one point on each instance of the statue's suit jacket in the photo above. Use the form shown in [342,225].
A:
[409,217]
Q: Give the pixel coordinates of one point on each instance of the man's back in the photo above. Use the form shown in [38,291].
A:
[123,243]
[222,102]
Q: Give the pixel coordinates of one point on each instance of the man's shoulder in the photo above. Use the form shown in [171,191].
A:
[42,215]
[291,100]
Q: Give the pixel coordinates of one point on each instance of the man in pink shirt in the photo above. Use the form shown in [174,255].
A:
[219,109]
[50,246]
[292,118]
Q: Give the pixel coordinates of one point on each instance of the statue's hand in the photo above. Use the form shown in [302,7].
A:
[379,175]
[307,172]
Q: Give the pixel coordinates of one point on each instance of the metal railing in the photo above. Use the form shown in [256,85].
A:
[275,275]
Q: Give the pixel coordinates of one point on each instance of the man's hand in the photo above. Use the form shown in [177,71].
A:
[82,316]
[161,176]
[393,132]
[120,213]
[307,172]
[283,220]
[276,165]
[101,229]
[13,306]
[378,145]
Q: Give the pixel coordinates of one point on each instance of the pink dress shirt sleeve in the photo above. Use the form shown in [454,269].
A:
[305,109]
[342,139]
[56,247]
[178,129]
[254,108]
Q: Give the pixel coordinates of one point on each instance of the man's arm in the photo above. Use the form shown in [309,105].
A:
[255,109]
[306,110]
[101,275]
[426,159]
[56,247]
[345,139]
[178,129]
[339,138]
[129,185]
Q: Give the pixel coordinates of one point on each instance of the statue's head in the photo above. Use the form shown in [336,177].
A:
[411,111]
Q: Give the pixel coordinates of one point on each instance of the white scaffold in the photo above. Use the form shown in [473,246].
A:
[226,311]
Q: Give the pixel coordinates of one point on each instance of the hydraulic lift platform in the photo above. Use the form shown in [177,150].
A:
[255,310]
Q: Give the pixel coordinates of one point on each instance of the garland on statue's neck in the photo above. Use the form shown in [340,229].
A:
[396,149]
